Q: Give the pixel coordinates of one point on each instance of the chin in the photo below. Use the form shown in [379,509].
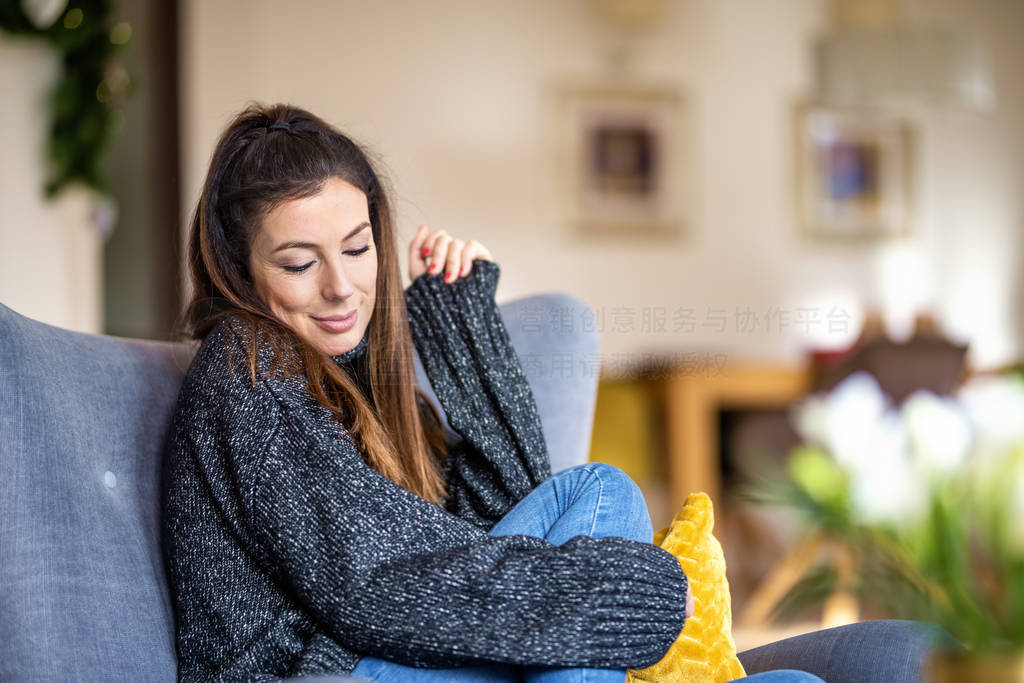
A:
[335,347]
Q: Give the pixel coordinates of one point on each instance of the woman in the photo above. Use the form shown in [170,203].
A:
[315,518]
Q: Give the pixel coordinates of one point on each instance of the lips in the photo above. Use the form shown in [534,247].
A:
[337,318]
[338,323]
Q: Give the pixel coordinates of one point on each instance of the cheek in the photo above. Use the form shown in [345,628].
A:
[288,294]
[368,278]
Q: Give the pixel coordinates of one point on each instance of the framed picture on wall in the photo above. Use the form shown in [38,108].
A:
[853,173]
[623,165]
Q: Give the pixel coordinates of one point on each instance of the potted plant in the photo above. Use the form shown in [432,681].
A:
[926,501]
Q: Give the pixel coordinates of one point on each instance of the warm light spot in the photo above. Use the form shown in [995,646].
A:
[74,17]
[121,33]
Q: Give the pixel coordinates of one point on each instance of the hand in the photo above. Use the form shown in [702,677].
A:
[429,252]
[689,601]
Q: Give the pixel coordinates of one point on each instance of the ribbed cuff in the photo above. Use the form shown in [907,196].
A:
[476,374]
[642,605]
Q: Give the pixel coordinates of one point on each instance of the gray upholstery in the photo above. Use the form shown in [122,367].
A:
[83,418]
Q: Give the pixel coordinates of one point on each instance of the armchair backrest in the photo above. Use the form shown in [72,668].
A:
[82,425]
[83,419]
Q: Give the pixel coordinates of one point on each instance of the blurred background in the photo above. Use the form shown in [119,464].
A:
[755,197]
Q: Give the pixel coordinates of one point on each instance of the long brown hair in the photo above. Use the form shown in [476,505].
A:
[276,153]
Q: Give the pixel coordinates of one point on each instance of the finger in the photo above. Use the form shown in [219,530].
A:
[417,255]
[431,244]
[417,259]
[453,259]
[472,251]
[438,243]
[417,249]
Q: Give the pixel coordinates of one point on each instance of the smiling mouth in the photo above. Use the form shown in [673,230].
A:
[337,318]
[338,324]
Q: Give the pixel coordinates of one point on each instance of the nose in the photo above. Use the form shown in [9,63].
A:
[335,283]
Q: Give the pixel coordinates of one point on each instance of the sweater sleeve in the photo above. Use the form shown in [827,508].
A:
[388,574]
[478,379]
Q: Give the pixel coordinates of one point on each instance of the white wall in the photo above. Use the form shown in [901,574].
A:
[49,251]
[972,187]
[455,96]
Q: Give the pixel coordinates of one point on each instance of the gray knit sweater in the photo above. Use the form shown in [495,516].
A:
[288,555]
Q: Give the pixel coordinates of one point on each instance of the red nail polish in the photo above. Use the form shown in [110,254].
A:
[426,251]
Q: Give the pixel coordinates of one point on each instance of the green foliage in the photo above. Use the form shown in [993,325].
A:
[920,505]
[820,477]
[91,87]
[953,567]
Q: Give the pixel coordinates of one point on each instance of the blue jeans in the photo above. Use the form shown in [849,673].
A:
[599,500]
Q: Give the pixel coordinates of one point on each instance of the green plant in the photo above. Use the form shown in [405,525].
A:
[927,498]
[91,87]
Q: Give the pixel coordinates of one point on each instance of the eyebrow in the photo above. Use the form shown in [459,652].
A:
[309,245]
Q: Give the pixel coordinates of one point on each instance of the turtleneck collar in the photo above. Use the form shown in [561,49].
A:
[357,352]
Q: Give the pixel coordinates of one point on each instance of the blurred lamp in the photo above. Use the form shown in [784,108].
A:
[631,16]
[872,57]
[43,13]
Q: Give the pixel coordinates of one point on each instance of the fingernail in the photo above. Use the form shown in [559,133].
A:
[426,251]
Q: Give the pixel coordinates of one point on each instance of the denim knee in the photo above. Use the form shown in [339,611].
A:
[618,492]
[603,470]
[608,476]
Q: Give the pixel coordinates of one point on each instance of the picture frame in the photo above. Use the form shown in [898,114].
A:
[623,170]
[853,173]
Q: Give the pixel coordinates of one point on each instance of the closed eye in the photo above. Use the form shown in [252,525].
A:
[305,266]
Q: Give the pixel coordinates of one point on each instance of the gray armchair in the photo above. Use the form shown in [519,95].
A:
[83,594]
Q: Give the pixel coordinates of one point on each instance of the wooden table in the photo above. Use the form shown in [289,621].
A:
[693,403]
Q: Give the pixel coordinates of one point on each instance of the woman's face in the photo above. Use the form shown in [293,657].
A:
[314,263]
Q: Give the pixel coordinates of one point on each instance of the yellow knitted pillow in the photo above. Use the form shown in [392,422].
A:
[704,652]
